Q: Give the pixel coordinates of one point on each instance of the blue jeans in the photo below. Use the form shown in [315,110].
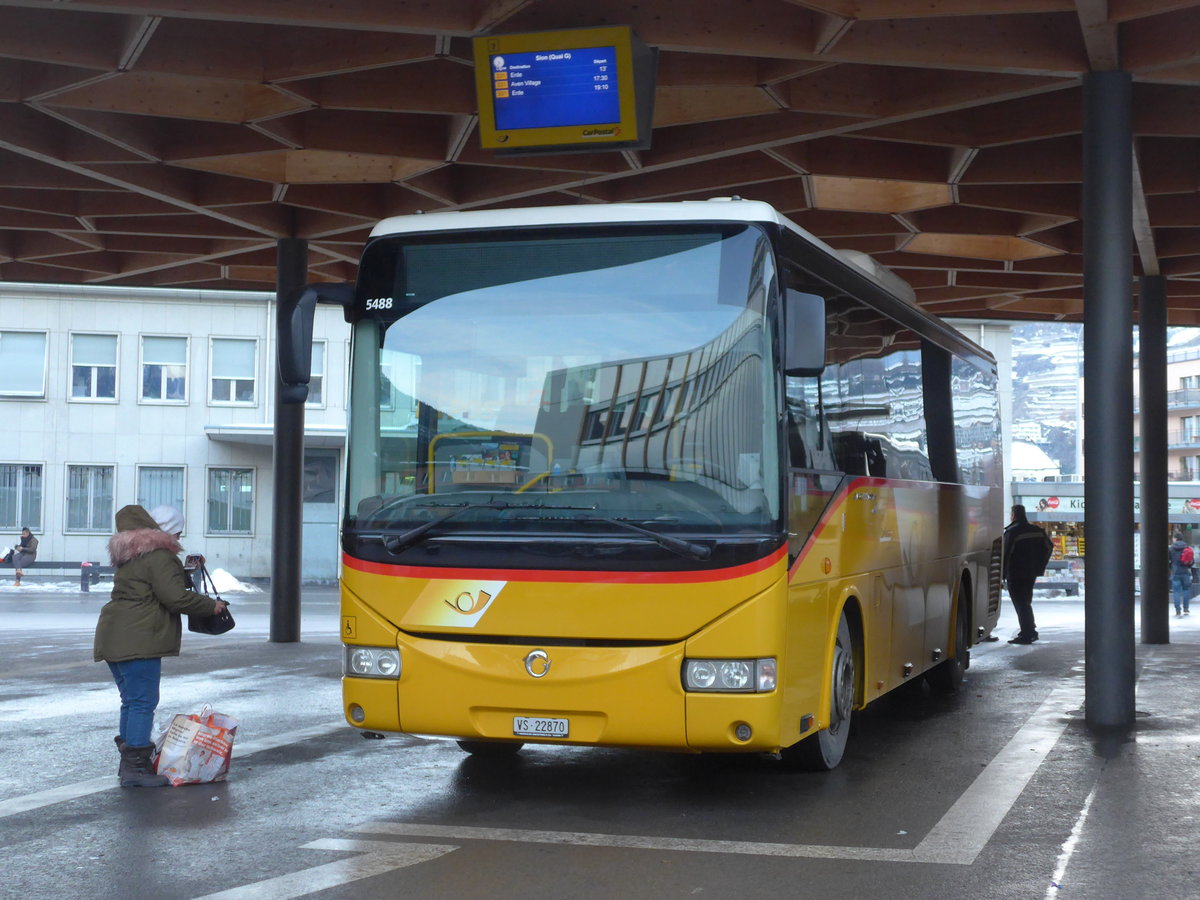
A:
[137,680]
[1181,589]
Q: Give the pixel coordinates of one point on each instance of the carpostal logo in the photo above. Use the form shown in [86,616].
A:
[601,132]
[453,603]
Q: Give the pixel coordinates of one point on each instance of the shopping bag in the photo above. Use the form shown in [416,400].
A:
[196,748]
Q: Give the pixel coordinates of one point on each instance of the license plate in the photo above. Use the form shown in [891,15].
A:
[533,726]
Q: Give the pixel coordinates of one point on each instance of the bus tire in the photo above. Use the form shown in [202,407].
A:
[492,749]
[823,751]
[947,676]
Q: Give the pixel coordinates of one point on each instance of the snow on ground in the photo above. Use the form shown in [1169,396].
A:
[226,584]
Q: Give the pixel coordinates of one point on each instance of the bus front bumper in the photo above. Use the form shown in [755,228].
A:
[610,696]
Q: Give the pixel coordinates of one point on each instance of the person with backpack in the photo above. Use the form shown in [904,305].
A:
[1027,549]
[1182,559]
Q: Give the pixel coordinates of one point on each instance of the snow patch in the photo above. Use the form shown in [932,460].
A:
[227,584]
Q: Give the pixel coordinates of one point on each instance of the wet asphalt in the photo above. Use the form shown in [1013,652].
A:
[999,791]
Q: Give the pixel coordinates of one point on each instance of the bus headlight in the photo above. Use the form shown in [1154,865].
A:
[730,675]
[371,662]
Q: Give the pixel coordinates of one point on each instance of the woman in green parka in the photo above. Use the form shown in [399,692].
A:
[141,624]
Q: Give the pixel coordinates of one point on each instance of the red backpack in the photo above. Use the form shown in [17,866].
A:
[1186,557]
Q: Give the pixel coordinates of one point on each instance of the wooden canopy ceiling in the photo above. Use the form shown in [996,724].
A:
[172,142]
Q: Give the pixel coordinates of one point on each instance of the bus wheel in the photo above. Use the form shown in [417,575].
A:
[493,749]
[947,677]
[822,751]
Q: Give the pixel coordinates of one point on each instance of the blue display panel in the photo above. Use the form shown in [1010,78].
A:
[552,88]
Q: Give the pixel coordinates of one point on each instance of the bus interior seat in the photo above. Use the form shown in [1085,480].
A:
[797,452]
[857,454]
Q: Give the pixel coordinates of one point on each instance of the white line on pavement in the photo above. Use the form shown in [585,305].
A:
[957,838]
[969,824]
[634,842]
[79,789]
[1068,847]
[377,857]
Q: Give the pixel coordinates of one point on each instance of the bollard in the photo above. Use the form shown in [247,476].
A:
[84,581]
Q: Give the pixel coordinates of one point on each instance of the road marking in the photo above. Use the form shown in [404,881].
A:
[376,858]
[56,795]
[957,839]
[1068,847]
[79,789]
[969,824]
[635,842]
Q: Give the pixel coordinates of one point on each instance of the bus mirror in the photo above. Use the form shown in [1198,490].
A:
[295,325]
[804,327]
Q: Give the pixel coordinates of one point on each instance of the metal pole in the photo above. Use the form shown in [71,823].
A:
[288,459]
[1152,375]
[1108,401]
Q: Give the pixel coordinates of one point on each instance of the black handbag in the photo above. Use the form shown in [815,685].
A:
[217,623]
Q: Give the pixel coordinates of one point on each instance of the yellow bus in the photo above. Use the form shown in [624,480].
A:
[663,475]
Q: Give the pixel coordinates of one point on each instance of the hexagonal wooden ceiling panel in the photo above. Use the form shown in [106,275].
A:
[172,142]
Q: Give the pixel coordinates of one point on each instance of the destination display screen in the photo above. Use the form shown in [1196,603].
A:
[576,90]
[554,88]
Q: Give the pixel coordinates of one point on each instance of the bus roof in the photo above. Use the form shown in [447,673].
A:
[719,209]
[716,209]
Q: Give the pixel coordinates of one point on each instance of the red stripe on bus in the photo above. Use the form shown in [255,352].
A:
[566,576]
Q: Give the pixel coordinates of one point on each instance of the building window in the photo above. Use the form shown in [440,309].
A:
[93,367]
[230,501]
[23,364]
[232,368]
[90,498]
[1191,429]
[160,486]
[164,369]
[316,384]
[20,496]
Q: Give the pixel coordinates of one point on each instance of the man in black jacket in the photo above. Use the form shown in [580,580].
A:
[1027,549]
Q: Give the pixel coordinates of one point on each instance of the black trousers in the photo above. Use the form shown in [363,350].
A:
[1021,594]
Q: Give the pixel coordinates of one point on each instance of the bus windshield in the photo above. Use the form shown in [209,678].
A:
[534,381]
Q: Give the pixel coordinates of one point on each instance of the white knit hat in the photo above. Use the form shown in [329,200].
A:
[169,519]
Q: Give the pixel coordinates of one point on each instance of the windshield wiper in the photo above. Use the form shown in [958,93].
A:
[675,545]
[406,539]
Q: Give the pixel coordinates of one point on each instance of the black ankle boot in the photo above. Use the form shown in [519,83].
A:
[137,769]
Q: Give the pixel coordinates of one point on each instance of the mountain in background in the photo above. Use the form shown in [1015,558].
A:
[1047,367]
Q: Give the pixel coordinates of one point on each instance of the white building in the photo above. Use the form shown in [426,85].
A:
[1031,463]
[114,395]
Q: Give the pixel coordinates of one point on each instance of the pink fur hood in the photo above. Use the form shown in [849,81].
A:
[138,534]
[126,545]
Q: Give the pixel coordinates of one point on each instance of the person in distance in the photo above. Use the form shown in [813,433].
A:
[1027,549]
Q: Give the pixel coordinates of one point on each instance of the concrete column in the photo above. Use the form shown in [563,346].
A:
[1108,401]
[288,458]
[1152,374]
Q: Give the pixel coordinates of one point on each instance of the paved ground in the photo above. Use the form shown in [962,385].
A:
[997,792]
